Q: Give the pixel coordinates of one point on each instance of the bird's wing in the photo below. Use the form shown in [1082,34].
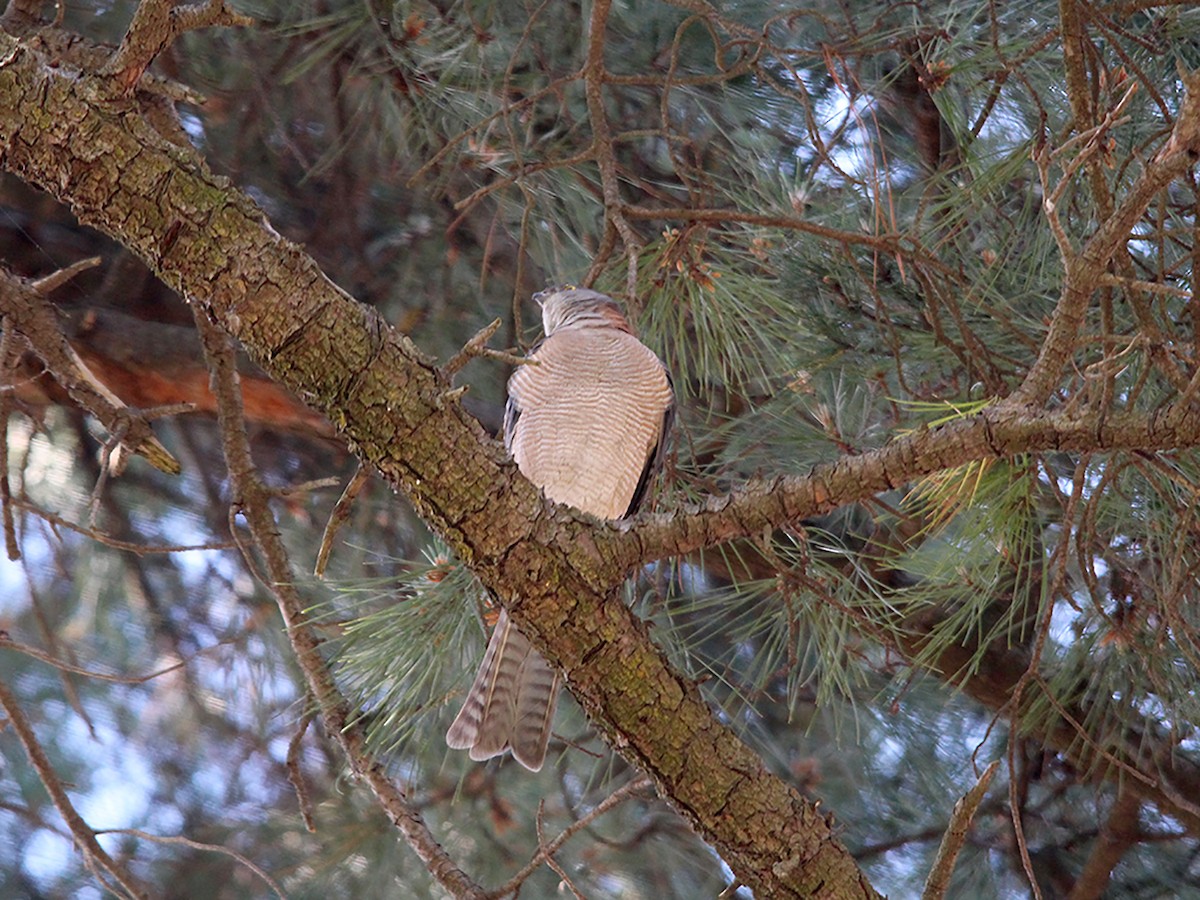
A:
[589,420]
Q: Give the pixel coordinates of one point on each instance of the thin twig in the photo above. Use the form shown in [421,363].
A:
[199,845]
[552,863]
[1082,270]
[9,358]
[1150,287]
[252,498]
[55,280]
[108,540]
[956,834]
[1015,808]
[337,518]
[594,76]
[28,310]
[296,777]
[84,836]
[7,643]
[476,346]
[546,850]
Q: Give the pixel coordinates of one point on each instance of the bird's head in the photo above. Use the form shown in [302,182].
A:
[567,306]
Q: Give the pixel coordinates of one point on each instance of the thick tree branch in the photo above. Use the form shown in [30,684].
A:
[212,244]
[999,432]
[1119,833]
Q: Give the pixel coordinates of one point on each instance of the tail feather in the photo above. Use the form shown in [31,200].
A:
[511,702]
[537,698]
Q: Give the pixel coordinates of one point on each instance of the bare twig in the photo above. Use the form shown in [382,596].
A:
[7,643]
[594,76]
[553,864]
[1083,269]
[25,306]
[108,540]
[337,518]
[156,24]
[956,834]
[1107,279]
[48,283]
[546,850]
[9,357]
[253,499]
[1017,823]
[476,346]
[81,832]
[199,845]
[296,777]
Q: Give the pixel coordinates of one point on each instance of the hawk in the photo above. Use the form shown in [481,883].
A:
[587,424]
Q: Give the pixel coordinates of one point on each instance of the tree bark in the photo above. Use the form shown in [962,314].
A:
[76,135]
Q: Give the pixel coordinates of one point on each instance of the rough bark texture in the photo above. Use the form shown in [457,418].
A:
[78,137]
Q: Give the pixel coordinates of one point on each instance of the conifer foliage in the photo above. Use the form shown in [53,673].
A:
[915,608]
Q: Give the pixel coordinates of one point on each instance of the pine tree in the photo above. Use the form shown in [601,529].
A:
[922,274]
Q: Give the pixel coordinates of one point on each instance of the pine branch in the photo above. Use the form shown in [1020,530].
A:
[252,496]
[26,307]
[389,399]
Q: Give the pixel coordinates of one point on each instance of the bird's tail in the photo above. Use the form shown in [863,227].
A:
[511,704]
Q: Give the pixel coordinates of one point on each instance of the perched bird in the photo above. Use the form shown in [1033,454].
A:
[587,425]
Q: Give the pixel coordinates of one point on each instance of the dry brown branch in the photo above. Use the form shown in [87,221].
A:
[9,359]
[296,775]
[938,881]
[1085,268]
[81,832]
[178,840]
[156,24]
[1017,810]
[548,849]
[103,537]
[30,314]
[338,516]
[477,346]
[594,76]
[998,432]
[7,643]
[252,497]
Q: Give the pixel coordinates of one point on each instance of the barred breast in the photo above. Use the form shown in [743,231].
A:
[590,417]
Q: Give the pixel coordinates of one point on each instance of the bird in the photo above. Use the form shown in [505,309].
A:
[588,423]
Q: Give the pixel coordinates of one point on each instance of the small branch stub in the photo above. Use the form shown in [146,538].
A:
[156,24]
[956,834]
